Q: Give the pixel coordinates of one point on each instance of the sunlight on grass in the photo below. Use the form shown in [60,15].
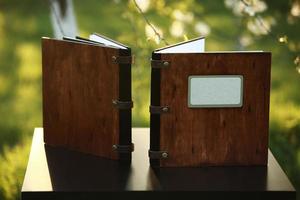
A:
[28,101]
[3,84]
[30,61]
[283,119]
[13,162]
[2,31]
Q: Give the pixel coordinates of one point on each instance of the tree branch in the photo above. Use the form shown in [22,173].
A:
[149,23]
[259,19]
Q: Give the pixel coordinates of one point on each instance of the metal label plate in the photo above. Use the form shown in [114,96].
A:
[211,91]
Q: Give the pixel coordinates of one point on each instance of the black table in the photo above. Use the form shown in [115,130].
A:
[55,173]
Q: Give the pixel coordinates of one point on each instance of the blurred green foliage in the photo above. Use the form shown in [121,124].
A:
[23,23]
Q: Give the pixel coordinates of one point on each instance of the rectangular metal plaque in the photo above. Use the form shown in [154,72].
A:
[211,91]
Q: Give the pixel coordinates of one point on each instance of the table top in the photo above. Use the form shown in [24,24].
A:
[54,170]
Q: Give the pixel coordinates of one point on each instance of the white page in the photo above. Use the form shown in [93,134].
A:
[102,40]
[196,46]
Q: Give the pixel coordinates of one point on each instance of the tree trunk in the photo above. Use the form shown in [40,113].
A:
[63,18]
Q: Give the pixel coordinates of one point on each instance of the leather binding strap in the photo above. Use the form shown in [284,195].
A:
[158,154]
[123,148]
[123,104]
[122,59]
[160,63]
[159,109]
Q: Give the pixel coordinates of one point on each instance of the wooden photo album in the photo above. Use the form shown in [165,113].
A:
[87,95]
[209,108]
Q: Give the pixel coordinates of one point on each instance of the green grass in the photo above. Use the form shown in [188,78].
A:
[13,163]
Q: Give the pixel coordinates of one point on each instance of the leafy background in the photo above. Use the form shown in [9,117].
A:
[228,25]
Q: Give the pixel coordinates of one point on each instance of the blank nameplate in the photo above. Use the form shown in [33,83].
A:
[215,91]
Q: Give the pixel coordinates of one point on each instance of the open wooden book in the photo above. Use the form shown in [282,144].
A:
[209,108]
[87,95]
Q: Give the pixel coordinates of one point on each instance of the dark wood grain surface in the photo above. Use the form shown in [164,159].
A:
[215,136]
[79,83]
[56,173]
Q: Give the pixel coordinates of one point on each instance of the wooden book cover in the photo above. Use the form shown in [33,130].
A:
[87,96]
[209,108]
